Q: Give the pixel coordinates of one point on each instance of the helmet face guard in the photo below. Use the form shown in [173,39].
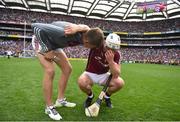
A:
[113,41]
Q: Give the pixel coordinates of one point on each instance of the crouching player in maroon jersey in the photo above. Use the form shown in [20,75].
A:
[101,62]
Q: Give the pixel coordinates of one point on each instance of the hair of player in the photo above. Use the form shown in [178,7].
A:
[95,36]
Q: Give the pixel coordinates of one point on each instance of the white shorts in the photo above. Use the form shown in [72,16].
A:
[98,78]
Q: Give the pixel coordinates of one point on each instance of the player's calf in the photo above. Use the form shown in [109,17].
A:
[115,85]
[107,100]
[88,100]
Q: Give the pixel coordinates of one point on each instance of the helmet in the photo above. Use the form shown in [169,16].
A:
[113,41]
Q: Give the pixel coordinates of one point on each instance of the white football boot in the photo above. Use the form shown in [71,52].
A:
[63,102]
[52,113]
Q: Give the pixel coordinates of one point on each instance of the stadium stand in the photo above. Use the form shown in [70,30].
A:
[142,42]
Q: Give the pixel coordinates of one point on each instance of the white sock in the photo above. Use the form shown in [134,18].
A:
[91,96]
[61,100]
[50,107]
[107,97]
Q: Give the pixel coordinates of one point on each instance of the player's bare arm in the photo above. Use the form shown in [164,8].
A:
[113,66]
[74,28]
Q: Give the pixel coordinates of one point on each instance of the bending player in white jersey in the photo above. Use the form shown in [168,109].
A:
[48,42]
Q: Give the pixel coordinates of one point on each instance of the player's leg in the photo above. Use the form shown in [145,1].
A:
[66,69]
[85,84]
[47,79]
[48,86]
[115,85]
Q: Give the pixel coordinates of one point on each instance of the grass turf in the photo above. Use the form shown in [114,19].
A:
[151,92]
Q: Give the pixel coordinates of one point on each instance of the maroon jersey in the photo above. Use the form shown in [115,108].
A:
[97,62]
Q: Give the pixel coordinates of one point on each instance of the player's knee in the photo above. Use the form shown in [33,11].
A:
[50,71]
[119,83]
[80,82]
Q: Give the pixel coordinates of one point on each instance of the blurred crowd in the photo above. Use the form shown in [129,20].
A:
[76,52]
[151,42]
[30,17]
[15,47]
[128,54]
[15,33]
[151,55]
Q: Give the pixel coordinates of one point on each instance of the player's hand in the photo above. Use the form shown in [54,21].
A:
[109,56]
[70,29]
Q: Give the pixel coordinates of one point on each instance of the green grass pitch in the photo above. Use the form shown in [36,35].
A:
[151,92]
